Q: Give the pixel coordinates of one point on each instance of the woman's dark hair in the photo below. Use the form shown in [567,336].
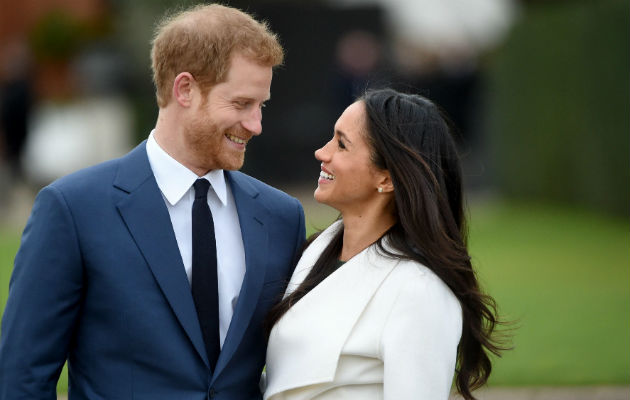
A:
[412,139]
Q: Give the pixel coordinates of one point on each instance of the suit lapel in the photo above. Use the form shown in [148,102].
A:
[148,221]
[252,217]
[319,324]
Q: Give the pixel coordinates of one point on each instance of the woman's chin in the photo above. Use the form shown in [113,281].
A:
[319,196]
[322,199]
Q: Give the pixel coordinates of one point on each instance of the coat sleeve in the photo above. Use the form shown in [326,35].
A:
[419,341]
[44,301]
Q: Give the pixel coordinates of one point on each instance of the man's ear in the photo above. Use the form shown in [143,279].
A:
[384,183]
[183,88]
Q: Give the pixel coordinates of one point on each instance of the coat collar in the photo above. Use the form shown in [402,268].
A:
[146,216]
[318,325]
[253,217]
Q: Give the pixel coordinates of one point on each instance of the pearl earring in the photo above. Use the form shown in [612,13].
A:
[380,190]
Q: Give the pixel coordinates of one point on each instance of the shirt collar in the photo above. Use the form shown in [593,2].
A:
[174,179]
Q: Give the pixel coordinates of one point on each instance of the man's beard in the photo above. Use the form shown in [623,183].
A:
[205,140]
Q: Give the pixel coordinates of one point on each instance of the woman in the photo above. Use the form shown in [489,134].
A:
[385,303]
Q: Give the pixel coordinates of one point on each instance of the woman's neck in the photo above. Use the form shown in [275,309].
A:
[361,230]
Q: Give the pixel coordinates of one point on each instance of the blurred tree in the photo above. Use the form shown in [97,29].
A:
[57,36]
[557,105]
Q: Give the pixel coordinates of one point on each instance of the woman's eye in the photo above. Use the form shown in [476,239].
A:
[341,145]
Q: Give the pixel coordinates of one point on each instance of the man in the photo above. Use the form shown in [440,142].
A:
[110,273]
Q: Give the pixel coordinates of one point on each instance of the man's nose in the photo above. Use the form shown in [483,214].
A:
[253,122]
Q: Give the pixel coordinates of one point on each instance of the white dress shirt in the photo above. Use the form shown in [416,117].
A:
[175,182]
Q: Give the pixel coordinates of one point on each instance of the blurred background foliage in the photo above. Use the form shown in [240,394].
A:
[543,112]
[557,105]
[56,36]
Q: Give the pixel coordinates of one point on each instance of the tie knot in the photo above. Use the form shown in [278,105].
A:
[201,188]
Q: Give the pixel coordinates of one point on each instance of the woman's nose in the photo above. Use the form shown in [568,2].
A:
[321,154]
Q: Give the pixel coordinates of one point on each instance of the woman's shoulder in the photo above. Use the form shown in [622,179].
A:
[414,280]
[415,295]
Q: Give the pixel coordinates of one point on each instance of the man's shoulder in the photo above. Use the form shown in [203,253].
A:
[99,175]
[86,177]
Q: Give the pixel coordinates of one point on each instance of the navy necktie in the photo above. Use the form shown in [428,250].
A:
[204,271]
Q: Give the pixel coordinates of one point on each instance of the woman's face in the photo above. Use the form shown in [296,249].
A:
[348,180]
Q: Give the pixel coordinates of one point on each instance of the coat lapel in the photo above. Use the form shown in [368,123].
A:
[148,221]
[311,335]
[252,217]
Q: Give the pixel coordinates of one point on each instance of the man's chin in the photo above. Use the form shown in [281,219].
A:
[233,165]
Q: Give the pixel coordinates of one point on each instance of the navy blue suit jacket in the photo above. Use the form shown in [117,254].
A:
[99,281]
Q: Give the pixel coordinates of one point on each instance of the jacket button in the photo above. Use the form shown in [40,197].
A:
[212,393]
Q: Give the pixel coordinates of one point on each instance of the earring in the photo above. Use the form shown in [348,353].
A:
[380,190]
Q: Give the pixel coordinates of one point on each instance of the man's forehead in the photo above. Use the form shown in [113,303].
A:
[235,91]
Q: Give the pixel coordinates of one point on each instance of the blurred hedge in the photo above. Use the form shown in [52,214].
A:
[558,102]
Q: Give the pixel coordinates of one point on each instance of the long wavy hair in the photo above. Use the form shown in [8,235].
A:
[412,138]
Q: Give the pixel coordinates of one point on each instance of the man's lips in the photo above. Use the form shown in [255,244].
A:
[236,139]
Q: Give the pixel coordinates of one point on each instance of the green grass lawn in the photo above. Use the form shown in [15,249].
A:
[562,274]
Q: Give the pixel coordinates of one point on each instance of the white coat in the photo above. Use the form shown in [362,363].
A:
[376,328]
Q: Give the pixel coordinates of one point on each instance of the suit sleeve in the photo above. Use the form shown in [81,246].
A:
[44,301]
[419,342]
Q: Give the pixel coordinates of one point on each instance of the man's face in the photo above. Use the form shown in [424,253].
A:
[222,123]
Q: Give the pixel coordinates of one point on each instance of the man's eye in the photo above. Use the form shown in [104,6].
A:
[341,145]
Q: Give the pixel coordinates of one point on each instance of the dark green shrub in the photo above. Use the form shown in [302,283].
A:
[558,103]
